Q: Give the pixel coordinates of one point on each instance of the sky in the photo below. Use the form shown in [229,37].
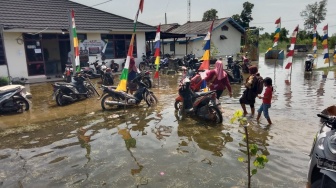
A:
[264,13]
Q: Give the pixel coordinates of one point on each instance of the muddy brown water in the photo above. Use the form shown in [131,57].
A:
[80,145]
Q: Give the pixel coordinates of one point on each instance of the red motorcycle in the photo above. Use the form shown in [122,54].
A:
[201,104]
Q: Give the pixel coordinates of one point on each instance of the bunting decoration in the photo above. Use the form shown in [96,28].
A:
[122,86]
[277,34]
[206,56]
[290,52]
[314,43]
[325,44]
[75,41]
[157,51]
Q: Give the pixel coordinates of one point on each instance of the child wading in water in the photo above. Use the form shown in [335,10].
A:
[266,104]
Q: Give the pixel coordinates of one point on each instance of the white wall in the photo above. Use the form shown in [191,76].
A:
[141,47]
[3,71]
[229,46]
[16,56]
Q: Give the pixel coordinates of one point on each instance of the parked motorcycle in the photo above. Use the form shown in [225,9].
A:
[322,163]
[229,60]
[13,99]
[92,72]
[107,77]
[201,104]
[147,62]
[146,78]
[191,61]
[114,99]
[81,88]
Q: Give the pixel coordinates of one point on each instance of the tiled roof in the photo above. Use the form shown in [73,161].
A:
[169,27]
[200,27]
[53,14]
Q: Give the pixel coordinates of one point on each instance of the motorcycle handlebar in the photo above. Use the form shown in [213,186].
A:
[331,120]
[323,116]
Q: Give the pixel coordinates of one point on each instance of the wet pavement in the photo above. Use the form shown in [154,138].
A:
[80,145]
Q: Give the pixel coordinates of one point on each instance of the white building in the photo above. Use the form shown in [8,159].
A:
[226,38]
[34,41]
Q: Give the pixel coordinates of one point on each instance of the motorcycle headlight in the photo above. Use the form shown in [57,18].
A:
[320,143]
[332,144]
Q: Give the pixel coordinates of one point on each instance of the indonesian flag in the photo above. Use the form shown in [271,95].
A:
[75,41]
[157,52]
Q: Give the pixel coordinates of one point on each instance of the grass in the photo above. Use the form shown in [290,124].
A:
[331,68]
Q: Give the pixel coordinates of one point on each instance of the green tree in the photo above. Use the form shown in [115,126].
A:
[245,16]
[283,35]
[210,15]
[236,17]
[314,14]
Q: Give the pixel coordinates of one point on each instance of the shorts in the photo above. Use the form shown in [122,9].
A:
[264,108]
[248,97]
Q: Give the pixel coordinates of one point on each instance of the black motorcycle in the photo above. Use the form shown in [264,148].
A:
[146,78]
[234,72]
[114,99]
[107,78]
[201,104]
[81,88]
[191,62]
[147,62]
[322,164]
[13,99]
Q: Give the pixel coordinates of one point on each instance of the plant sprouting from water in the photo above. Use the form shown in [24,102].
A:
[252,149]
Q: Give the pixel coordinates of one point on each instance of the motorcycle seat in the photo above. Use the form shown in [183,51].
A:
[7,89]
[64,83]
[204,93]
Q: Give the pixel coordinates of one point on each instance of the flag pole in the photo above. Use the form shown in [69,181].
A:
[71,44]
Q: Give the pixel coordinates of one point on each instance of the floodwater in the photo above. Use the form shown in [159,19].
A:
[80,145]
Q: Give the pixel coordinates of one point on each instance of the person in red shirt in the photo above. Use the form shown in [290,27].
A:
[218,80]
[266,100]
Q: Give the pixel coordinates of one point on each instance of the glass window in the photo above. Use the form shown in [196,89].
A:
[117,45]
[109,51]
[172,46]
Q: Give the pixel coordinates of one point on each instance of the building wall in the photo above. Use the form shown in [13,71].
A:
[16,57]
[229,46]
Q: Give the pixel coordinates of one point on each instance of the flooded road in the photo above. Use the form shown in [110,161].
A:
[80,145]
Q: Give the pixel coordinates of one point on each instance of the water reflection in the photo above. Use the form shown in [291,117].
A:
[84,141]
[210,139]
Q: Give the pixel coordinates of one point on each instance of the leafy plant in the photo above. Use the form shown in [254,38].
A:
[4,81]
[252,149]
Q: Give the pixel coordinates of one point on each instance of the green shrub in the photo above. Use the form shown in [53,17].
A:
[3,81]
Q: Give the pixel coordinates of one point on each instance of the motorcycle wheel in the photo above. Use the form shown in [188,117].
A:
[105,106]
[142,66]
[59,100]
[23,103]
[147,82]
[178,105]
[218,118]
[151,99]
[91,91]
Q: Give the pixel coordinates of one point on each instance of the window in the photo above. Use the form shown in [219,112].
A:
[222,37]
[172,46]
[2,51]
[225,28]
[117,45]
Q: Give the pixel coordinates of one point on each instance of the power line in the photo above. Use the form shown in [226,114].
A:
[95,5]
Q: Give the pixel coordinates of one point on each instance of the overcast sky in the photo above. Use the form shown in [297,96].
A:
[264,13]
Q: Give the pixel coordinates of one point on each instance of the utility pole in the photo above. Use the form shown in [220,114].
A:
[189,10]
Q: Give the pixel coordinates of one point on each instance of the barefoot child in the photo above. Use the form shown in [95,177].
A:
[266,104]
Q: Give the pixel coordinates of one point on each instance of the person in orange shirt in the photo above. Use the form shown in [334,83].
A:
[266,104]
